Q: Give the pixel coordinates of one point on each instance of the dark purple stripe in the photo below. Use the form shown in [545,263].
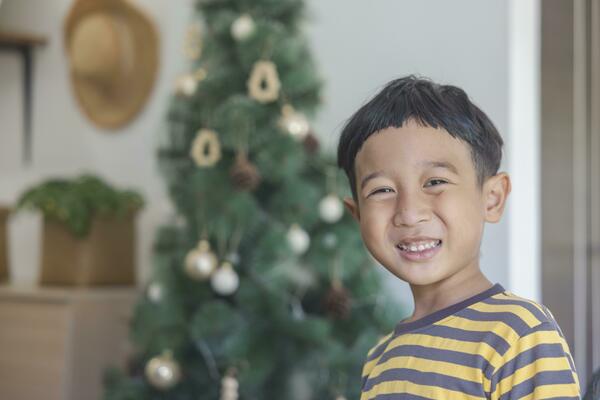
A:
[434,354]
[530,307]
[545,350]
[495,341]
[512,320]
[404,327]
[399,396]
[540,379]
[380,349]
[426,378]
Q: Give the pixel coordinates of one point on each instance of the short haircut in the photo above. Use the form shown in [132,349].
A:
[429,104]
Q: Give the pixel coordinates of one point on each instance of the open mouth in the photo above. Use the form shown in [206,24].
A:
[421,250]
[420,246]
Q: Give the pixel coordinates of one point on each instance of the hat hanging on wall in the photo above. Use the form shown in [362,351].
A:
[112,48]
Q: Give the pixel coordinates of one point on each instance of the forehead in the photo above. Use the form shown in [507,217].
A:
[412,146]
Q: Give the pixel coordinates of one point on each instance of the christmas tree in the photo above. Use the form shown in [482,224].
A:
[261,288]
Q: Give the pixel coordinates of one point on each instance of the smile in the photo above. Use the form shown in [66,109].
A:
[420,250]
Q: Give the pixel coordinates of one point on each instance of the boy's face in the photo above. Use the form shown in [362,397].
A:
[420,209]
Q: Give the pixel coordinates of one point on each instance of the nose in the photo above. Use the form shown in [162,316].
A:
[411,209]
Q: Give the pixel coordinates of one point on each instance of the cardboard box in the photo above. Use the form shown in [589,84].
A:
[4,213]
[105,257]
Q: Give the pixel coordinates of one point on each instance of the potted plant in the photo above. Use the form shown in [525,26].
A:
[88,231]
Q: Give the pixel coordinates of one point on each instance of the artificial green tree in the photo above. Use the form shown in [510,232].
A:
[261,288]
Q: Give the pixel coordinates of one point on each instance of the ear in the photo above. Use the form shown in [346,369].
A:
[352,207]
[496,191]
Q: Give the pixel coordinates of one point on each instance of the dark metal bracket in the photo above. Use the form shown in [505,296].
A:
[24,45]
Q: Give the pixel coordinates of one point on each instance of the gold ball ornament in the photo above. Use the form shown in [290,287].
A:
[243,27]
[244,174]
[186,85]
[225,281]
[294,123]
[263,84]
[162,371]
[298,239]
[193,42]
[206,148]
[331,208]
[340,397]
[201,261]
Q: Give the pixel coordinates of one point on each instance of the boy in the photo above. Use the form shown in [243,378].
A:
[422,162]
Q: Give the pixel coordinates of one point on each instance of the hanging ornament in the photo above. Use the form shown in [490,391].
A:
[293,122]
[206,148]
[229,386]
[186,85]
[193,42]
[330,240]
[331,208]
[244,174]
[225,281]
[243,27]
[298,239]
[154,292]
[264,84]
[201,261]
[340,397]
[162,371]
[337,301]
[311,143]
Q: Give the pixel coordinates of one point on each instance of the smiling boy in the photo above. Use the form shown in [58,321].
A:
[422,162]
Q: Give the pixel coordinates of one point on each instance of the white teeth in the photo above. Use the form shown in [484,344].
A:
[420,247]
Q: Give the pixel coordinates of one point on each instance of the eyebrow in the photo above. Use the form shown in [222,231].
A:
[425,164]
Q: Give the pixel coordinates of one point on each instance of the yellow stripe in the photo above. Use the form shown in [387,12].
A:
[432,392]
[381,341]
[498,327]
[425,365]
[521,312]
[549,391]
[532,340]
[511,296]
[529,371]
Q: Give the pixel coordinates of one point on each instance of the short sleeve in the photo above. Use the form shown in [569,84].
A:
[537,366]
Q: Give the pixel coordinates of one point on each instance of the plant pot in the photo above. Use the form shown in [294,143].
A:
[106,256]
[4,213]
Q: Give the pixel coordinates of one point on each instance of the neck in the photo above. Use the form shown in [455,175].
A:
[439,295]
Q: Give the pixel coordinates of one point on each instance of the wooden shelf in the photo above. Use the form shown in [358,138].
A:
[22,39]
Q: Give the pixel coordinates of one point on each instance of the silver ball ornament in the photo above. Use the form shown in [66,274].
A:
[225,281]
[155,292]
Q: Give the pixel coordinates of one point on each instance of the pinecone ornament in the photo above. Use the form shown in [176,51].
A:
[244,174]
[337,301]
[311,143]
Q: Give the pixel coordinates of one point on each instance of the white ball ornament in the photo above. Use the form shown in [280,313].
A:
[243,27]
[225,281]
[200,262]
[331,208]
[155,292]
[298,239]
[162,371]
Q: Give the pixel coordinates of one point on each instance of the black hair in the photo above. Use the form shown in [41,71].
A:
[428,104]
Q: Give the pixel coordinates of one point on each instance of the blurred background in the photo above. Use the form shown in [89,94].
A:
[530,65]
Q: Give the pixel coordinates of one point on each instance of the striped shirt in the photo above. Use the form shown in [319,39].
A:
[493,345]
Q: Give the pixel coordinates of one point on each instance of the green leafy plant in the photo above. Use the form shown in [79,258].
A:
[75,202]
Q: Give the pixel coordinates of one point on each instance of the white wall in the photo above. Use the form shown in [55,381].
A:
[362,45]
[359,46]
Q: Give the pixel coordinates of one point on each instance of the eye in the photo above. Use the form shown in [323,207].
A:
[382,190]
[435,182]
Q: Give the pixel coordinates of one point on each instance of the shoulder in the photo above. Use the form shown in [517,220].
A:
[522,315]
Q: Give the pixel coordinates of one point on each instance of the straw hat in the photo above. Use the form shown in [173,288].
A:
[112,49]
